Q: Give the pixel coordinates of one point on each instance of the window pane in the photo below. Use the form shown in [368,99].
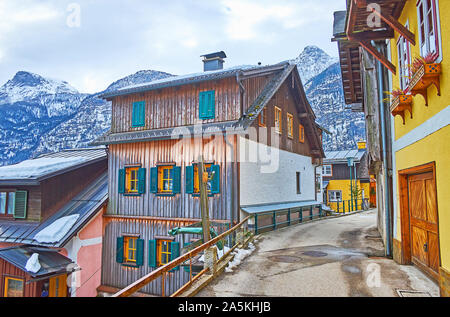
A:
[2,203]
[11,203]
[14,288]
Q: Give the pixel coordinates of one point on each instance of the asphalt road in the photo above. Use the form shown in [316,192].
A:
[341,257]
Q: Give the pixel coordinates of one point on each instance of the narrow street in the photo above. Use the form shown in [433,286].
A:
[335,257]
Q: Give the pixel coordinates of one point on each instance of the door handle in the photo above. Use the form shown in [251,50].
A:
[425,247]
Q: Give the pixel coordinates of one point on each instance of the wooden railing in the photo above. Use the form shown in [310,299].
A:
[163,270]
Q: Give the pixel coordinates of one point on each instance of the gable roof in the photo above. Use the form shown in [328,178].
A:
[33,171]
[86,204]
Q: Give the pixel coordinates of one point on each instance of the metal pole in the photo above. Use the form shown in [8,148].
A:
[351,187]
[203,200]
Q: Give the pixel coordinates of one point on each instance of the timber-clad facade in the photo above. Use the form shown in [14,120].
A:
[159,131]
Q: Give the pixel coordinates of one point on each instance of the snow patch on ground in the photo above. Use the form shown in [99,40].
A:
[57,230]
[38,167]
[239,256]
[220,253]
[33,264]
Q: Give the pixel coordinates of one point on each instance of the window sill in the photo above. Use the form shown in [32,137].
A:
[198,195]
[165,194]
[130,265]
[132,195]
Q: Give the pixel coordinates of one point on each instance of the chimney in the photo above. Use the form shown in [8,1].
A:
[213,61]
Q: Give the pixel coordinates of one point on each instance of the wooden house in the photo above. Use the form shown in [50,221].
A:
[256,132]
[407,58]
[340,179]
[52,206]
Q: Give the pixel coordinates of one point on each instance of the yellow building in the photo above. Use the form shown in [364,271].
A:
[421,146]
[340,179]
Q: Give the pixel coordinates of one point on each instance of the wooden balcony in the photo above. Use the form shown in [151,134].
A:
[427,75]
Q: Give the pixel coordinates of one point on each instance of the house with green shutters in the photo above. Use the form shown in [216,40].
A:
[254,130]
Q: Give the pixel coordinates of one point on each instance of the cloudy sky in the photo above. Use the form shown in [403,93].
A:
[92,43]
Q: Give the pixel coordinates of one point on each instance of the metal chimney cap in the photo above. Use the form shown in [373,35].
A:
[220,54]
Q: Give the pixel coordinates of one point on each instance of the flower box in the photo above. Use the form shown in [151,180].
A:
[400,104]
[426,76]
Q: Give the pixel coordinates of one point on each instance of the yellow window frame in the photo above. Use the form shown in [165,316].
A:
[278,120]
[163,255]
[130,246]
[132,180]
[290,125]
[301,133]
[161,179]
[7,279]
[196,182]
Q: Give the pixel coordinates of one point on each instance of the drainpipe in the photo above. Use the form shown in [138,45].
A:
[386,177]
[232,179]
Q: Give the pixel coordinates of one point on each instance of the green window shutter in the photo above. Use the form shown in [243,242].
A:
[119,250]
[175,253]
[189,179]
[152,253]
[176,180]
[140,252]
[154,180]
[215,186]
[20,208]
[122,181]
[186,267]
[138,115]
[211,109]
[203,109]
[142,173]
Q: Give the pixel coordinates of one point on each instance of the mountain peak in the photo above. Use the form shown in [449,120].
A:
[312,61]
[23,78]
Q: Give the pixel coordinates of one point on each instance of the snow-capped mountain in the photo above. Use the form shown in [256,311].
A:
[312,61]
[40,115]
[321,77]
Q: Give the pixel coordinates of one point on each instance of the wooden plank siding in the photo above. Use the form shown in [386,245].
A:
[59,190]
[177,106]
[182,153]
[284,100]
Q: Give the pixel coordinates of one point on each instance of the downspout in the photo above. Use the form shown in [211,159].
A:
[386,176]
[232,179]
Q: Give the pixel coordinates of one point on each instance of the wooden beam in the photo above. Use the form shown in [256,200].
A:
[382,59]
[400,28]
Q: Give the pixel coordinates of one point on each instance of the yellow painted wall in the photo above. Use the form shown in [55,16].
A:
[435,147]
[344,186]
[422,113]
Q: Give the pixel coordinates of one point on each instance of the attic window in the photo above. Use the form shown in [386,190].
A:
[301,134]
[290,126]
[262,118]
[7,203]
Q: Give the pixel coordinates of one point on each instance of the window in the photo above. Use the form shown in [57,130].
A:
[301,134]
[164,251]
[334,195]
[327,170]
[130,249]
[13,287]
[165,179]
[196,181]
[428,27]
[278,123]
[138,115]
[7,203]
[299,183]
[404,60]
[207,105]
[290,126]
[132,180]
[192,181]
[262,118]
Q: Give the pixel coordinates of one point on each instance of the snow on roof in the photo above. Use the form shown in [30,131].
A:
[57,230]
[33,169]
[33,264]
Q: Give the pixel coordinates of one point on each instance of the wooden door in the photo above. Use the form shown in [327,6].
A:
[58,286]
[424,222]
